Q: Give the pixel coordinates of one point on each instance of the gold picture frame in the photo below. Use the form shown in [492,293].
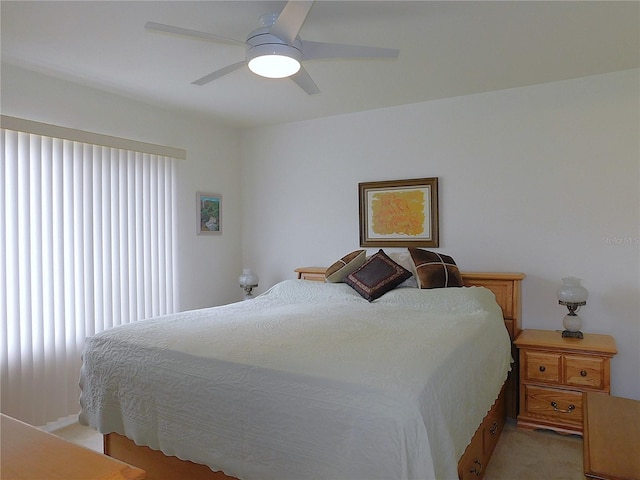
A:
[399,213]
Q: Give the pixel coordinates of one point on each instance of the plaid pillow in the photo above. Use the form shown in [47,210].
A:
[435,270]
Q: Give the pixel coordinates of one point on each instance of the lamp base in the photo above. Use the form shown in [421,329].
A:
[248,291]
[568,334]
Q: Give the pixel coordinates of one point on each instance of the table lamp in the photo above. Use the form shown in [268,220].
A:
[248,281]
[572,295]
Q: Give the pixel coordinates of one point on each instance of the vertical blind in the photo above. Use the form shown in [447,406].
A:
[86,243]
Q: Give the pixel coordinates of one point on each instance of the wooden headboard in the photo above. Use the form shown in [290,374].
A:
[507,289]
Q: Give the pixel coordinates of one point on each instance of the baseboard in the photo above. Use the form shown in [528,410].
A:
[59,424]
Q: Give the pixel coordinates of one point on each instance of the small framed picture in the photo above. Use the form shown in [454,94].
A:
[209,212]
[399,213]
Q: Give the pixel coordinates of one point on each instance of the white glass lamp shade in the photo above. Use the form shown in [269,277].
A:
[248,278]
[572,292]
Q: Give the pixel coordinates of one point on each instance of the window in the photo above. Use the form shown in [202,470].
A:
[86,243]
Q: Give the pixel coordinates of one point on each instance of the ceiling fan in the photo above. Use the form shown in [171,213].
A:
[276,51]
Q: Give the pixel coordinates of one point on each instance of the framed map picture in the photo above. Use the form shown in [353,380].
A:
[399,213]
[209,213]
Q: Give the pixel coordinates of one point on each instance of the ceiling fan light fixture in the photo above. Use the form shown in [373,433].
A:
[274,60]
[274,66]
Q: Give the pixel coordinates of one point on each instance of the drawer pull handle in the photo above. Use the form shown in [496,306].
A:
[583,373]
[477,469]
[568,410]
[494,428]
[542,368]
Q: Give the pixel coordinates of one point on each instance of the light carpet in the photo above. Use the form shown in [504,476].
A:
[536,455]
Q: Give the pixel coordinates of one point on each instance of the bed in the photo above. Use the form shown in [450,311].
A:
[310,380]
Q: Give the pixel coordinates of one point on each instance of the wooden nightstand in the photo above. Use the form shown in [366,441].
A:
[315,274]
[554,373]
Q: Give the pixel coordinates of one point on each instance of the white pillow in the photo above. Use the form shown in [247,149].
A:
[404,259]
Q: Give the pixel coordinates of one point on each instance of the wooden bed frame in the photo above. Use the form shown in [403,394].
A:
[472,464]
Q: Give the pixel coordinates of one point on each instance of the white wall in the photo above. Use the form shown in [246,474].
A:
[208,266]
[543,180]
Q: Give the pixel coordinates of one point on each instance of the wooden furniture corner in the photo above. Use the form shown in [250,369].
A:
[29,454]
[611,437]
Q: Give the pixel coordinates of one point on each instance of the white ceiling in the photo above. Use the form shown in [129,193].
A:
[446,48]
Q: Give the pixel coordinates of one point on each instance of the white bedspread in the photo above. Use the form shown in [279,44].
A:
[306,381]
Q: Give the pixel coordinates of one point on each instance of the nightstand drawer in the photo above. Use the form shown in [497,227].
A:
[542,366]
[560,406]
[584,371]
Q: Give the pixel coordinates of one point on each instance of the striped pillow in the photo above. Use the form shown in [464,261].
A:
[343,267]
[435,270]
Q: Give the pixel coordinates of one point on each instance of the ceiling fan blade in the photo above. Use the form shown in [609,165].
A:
[160,27]
[290,20]
[321,50]
[304,81]
[219,73]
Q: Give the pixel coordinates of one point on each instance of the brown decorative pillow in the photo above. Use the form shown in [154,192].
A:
[435,270]
[377,276]
[343,267]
